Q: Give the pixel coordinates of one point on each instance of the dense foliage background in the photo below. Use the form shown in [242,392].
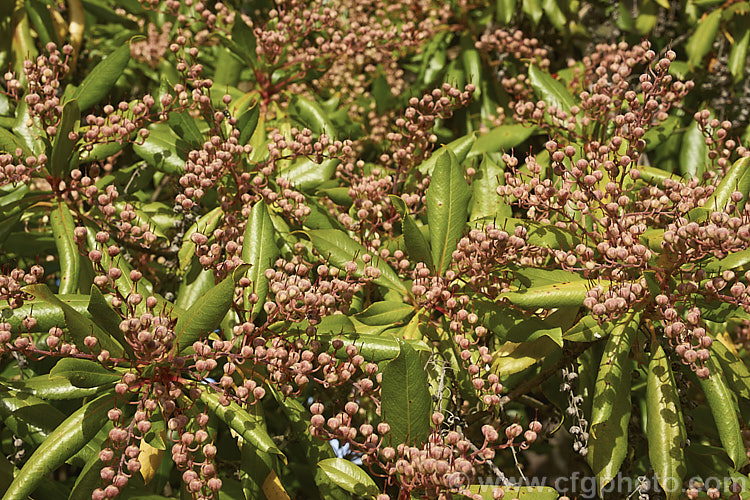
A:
[392,249]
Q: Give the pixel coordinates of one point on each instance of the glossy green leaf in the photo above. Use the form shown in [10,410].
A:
[472,63]
[186,128]
[385,313]
[29,417]
[654,176]
[9,142]
[700,42]
[52,388]
[447,204]
[460,147]
[722,405]
[374,348]
[665,426]
[62,146]
[611,406]
[64,442]
[525,344]
[349,476]
[97,83]
[259,249]
[242,423]
[693,153]
[417,246]
[339,248]
[40,18]
[552,91]
[311,115]
[307,175]
[533,9]
[78,325]
[84,372]
[738,53]
[63,225]
[247,122]
[204,316]
[504,10]
[163,149]
[502,139]
[485,202]
[554,13]
[569,293]
[736,179]
[733,368]
[405,398]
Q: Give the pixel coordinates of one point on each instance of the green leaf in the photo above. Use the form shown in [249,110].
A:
[693,153]
[533,9]
[738,53]
[244,424]
[656,176]
[665,427]
[699,44]
[84,372]
[417,246]
[350,477]
[461,147]
[29,417]
[70,260]
[385,313]
[405,398]
[247,123]
[162,148]
[9,142]
[736,179]
[310,115]
[62,146]
[569,293]
[447,203]
[611,406]
[79,326]
[504,10]
[525,344]
[734,369]
[259,249]
[244,38]
[339,249]
[206,314]
[485,202]
[97,83]
[552,91]
[61,444]
[307,175]
[186,128]
[51,388]
[722,404]
[554,14]
[501,139]
[40,17]
[472,63]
